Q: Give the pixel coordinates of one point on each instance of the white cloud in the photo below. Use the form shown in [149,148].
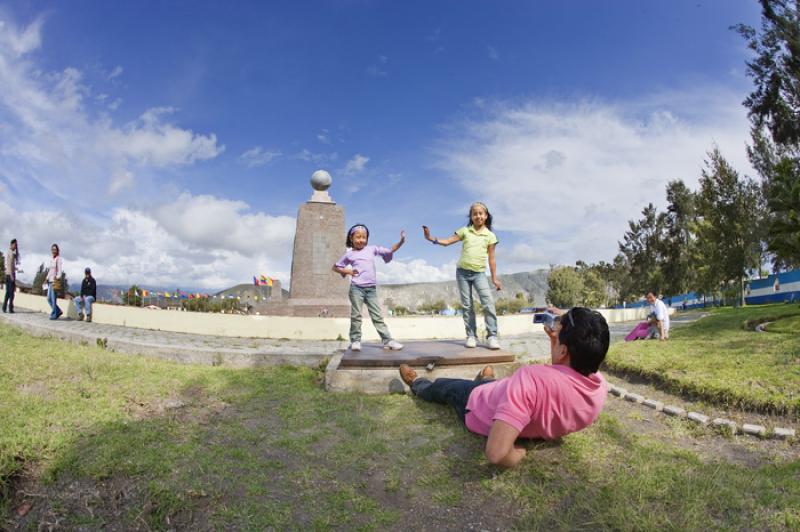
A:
[198,241]
[491,52]
[377,70]
[414,271]
[258,156]
[564,178]
[356,164]
[61,147]
[324,136]
[115,73]
[309,156]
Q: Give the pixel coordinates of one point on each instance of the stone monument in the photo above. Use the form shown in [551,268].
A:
[319,241]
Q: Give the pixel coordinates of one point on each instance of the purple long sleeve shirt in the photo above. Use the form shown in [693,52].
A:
[363,261]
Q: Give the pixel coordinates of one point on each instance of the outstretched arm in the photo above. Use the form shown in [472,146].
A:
[442,242]
[493,268]
[500,448]
[401,242]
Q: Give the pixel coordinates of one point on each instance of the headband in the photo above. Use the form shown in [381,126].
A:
[357,227]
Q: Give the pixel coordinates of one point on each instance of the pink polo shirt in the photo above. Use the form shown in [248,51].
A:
[540,401]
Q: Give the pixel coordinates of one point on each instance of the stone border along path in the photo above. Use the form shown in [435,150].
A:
[778,433]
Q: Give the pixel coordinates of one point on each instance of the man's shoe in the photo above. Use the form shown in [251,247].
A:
[88,318]
[393,345]
[355,346]
[407,374]
[59,313]
[493,343]
[486,373]
[471,342]
[80,316]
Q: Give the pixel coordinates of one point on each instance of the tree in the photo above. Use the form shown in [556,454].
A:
[132,297]
[564,286]
[64,285]
[676,264]
[39,280]
[774,112]
[2,267]
[641,247]
[728,242]
[593,292]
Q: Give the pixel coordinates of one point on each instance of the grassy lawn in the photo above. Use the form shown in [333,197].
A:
[721,358]
[89,438]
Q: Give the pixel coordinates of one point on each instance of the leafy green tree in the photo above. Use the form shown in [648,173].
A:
[2,267]
[728,243]
[593,293]
[676,264]
[641,247]
[64,285]
[132,297]
[774,111]
[39,280]
[564,286]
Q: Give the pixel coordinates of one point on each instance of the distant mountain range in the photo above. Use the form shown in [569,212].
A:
[532,284]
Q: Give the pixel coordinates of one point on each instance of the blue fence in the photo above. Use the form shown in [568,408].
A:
[777,288]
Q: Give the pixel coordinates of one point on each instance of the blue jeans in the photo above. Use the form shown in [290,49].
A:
[84,302]
[453,392]
[466,279]
[8,301]
[369,295]
[52,297]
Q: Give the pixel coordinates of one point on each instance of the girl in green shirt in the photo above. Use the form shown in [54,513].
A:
[478,244]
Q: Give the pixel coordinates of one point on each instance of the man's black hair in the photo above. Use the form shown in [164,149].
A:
[349,242]
[585,334]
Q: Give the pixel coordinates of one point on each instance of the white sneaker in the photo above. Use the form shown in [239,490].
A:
[394,345]
[471,342]
[355,346]
[493,343]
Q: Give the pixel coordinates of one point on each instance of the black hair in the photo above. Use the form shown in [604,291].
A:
[58,249]
[16,251]
[349,242]
[585,334]
[488,223]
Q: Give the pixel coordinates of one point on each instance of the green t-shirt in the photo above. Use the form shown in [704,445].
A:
[475,247]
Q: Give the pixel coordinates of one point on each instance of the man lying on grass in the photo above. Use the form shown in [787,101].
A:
[536,401]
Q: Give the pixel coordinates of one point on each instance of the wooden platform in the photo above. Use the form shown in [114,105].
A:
[422,353]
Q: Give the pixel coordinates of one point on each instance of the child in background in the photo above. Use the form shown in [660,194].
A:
[478,243]
[359,263]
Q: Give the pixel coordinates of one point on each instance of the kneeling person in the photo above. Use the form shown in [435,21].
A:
[537,401]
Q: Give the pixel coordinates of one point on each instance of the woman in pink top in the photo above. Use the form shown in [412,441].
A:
[537,401]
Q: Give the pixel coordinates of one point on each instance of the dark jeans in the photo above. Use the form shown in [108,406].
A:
[8,301]
[453,392]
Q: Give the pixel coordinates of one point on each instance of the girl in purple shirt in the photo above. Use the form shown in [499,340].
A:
[359,263]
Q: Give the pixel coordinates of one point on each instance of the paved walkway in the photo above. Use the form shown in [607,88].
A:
[180,347]
[239,352]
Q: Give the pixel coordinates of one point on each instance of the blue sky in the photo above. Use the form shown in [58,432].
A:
[170,143]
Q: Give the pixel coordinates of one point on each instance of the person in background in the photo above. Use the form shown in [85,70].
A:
[83,303]
[12,261]
[54,273]
[661,314]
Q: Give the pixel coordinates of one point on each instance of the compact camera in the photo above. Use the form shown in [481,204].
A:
[547,319]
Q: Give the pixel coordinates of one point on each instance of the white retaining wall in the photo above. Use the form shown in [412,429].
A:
[295,328]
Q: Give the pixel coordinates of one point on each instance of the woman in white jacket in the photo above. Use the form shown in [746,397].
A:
[54,281]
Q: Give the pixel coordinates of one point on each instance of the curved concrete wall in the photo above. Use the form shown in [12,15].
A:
[295,328]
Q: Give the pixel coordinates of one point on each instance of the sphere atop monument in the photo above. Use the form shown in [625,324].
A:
[321,180]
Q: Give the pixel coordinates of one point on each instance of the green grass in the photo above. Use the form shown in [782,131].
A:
[720,358]
[269,449]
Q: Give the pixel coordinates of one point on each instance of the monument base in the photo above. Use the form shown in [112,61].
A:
[374,370]
[311,308]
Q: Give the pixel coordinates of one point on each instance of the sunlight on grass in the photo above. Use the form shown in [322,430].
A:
[722,359]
